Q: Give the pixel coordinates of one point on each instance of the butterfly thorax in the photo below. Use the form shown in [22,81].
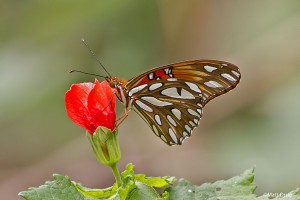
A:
[119,85]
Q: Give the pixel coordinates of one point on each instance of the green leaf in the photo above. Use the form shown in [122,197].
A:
[143,191]
[60,188]
[157,182]
[128,171]
[237,188]
[141,187]
[96,193]
[133,187]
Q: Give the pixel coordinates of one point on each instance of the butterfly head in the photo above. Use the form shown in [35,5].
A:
[111,81]
[119,85]
[115,82]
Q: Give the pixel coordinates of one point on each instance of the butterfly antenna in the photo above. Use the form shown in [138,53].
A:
[82,72]
[94,55]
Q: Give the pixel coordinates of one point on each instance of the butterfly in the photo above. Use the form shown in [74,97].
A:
[171,98]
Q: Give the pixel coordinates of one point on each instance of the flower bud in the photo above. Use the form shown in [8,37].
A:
[105,145]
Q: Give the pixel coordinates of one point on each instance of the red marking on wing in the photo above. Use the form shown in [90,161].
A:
[159,73]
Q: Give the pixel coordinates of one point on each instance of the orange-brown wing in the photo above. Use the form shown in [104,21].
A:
[171,98]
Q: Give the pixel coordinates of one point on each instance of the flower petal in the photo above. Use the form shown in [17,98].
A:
[76,105]
[101,104]
[91,105]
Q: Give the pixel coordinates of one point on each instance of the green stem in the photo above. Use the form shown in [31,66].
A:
[116,174]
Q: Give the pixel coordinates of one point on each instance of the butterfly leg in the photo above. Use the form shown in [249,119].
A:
[121,119]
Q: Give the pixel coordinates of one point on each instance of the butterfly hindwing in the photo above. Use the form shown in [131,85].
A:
[172,110]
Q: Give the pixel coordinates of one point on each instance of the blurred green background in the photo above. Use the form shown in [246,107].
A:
[257,124]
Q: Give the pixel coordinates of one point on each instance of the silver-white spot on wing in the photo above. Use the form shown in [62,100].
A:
[181,139]
[155,130]
[200,105]
[199,111]
[156,102]
[235,73]
[188,128]
[205,95]
[172,92]
[192,123]
[193,87]
[143,106]
[155,86]
[163,138]
[172,79]
[151,76]
[167,70]
[186,94]
[185,134]
[157,119]
[209,68]
[171,120]
[136,89]
[173,136]
[228,77]
[196,121]
[176,113]
[192,112]
[213,84]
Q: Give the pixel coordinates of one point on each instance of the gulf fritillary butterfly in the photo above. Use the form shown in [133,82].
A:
[170,98]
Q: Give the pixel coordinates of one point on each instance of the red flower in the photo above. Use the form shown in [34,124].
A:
[90,105]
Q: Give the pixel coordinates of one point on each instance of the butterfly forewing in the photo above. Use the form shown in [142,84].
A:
[171,98]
